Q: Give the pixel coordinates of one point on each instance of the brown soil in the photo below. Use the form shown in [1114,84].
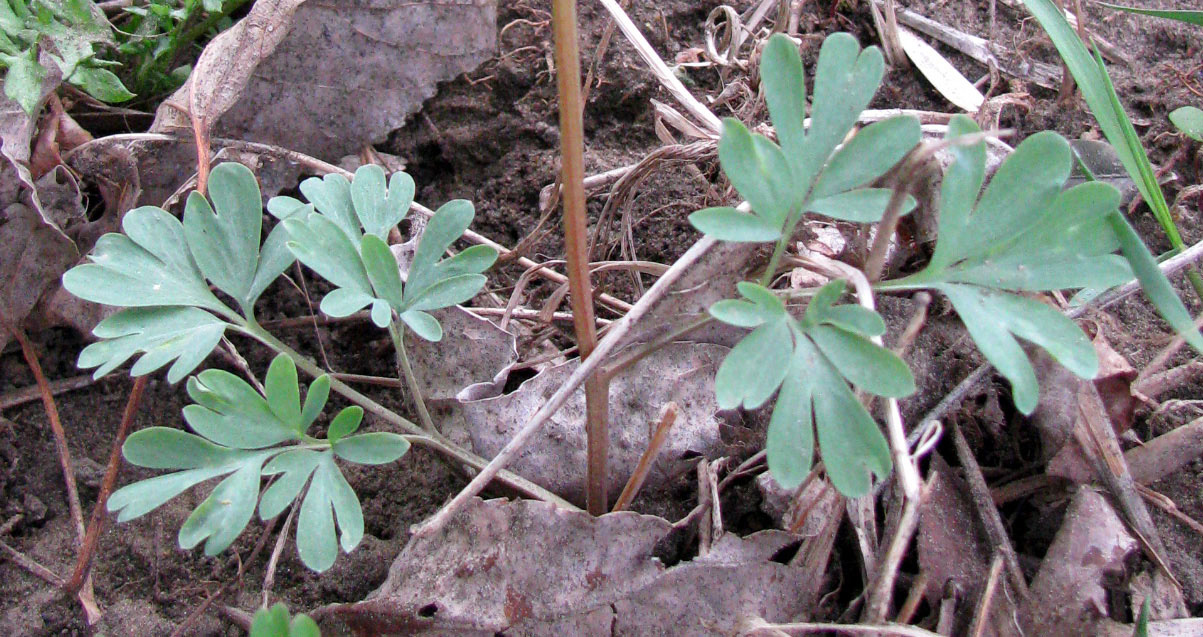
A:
[492,138]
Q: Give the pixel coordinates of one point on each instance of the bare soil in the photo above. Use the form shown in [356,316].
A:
[492,138]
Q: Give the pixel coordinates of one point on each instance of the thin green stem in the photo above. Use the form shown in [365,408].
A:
[397,332]
[791,224]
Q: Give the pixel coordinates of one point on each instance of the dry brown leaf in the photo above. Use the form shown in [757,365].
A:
[1068,595]
[35,253]
[555,458]
[326,78]
[16,135]
[529,568]
[473,350]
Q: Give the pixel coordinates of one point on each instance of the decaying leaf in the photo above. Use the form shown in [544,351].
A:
[473,350]
[17,129]
[1068,595]
[529,568]
[33,257]
[682,373]
[326,78]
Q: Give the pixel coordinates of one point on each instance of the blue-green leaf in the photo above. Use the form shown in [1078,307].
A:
[1189,120]
[323,247]
[296,465]
[868,155]
[378,210]
[378,447]
[446,292]
[328,494]
[868,366]
[223,515]
[315,401]
[444,228]
[790,442]
[382,270]
[183,334]
[331,195]
[758,170]
[729,224]
[784,83]
[754,368]
[866,205]
[849,439]
[283,395]
[845,81]
[225,244]
[423,325]
[344,424]
[149,265]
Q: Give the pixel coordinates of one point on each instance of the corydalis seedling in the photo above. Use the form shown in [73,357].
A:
[245,435]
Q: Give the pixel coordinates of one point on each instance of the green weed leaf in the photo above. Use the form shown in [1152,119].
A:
[812,361]
[802,175]
[345,242]
[1024,234]
[238,434]
[162,268]
[1189,120]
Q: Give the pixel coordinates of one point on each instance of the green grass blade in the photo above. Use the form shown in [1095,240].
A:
[1181,15]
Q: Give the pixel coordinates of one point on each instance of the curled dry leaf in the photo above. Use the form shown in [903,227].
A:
[33,257]
[17,129]
[473,350]
[325,78]
[529,568]
[682,373]
[1058,412]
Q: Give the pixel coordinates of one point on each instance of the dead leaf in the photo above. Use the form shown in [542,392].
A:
[473,350]
[555,458]
[529,568]
[34,256]
[943,75]
[326,78]
[16,134]
[1068,595]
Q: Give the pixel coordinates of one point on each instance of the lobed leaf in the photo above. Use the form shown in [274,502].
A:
[222,516]
[225,242]
[328,494]
[184,334]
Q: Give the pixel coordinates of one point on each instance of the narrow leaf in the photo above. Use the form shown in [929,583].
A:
[378,447]
[729,224]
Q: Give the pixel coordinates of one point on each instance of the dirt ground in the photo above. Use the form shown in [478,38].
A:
[491,137]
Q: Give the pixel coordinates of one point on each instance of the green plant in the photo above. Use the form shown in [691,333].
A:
[240,435]
[161,271]
[1181,15]
[817,356]
[155,35]
[1189,120]
[1099,93]
[275,623]
[66,33]
[1023,233]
